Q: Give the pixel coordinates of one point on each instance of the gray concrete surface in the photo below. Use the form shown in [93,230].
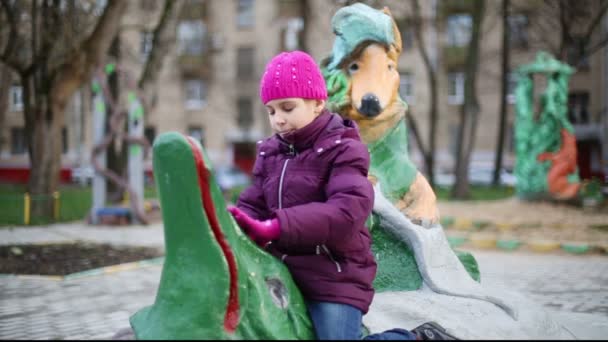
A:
[573,288]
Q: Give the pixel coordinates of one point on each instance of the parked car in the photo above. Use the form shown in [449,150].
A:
[230,177]
[478,175]
[83,175]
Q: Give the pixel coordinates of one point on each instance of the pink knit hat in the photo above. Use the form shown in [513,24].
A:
[292,74]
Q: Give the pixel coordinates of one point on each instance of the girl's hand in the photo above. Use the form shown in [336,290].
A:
[261,232]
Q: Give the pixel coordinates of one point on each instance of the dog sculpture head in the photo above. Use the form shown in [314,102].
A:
[361,73]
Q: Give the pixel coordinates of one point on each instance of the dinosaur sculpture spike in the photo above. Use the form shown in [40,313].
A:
[215,282]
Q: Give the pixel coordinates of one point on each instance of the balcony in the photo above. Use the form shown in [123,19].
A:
[195,65]
[447,7]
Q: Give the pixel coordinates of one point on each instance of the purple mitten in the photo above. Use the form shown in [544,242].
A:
[261,232]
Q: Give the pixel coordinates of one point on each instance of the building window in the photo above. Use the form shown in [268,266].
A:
[511,85]
[198,133]
[245,63]
[196,94]
[245,15]
[292,34]
[18,144]
[406,87]
[245,110]
[578,107]
[518,30]
[459,30]
[150,134]
[146,38]
[191,37]
[64,140]
[456,88]
[16,98]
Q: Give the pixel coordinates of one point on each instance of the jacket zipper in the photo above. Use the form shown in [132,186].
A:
[281,184]
[330,256]
[292,152]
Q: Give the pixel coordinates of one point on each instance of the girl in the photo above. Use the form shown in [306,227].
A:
[310,198]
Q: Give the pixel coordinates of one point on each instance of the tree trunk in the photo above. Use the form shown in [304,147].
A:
[6,80]
[42,125]
[413,127]
[117,150]
[470,110]
[503,93]
[429,156]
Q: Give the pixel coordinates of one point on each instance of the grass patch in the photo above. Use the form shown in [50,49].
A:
[478,192]
[74,203]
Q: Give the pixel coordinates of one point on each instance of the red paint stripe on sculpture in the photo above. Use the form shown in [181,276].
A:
[231,319]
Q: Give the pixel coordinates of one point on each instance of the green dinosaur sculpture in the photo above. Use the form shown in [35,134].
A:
[357,27]
[215,283]
[549,131]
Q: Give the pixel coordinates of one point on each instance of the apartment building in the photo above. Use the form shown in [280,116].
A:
[208,87]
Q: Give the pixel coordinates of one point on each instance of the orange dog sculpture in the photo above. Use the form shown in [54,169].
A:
[372,100]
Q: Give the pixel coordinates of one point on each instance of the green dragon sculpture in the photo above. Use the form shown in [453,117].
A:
[216,283]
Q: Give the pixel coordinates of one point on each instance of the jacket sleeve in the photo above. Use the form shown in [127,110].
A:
[350,199]
[252,200]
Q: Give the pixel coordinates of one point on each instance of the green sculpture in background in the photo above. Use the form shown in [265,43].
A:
[545,141]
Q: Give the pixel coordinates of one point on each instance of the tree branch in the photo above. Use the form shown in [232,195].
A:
[7,56]
[597,19]
[162,41]
[79,67]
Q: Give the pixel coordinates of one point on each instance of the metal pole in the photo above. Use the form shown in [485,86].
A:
[56,205]
[26,209]
[136,159]
[99,181]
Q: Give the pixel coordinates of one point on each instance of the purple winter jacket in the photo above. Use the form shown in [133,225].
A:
[315,183]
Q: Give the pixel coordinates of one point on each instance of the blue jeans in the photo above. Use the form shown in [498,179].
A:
[335,321]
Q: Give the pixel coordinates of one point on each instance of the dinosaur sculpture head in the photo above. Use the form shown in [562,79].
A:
[215,283]
[361,72]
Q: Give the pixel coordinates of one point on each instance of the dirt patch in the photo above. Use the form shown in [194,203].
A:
[63,259]
[531,220]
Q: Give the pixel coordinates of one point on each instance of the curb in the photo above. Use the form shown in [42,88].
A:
[462,232]
[91,273]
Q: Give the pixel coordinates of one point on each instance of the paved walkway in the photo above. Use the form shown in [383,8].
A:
[573,288]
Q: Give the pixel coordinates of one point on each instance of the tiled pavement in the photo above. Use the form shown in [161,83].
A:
[573,288]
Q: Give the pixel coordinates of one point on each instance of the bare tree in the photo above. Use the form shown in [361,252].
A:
[163,40]
[578,23]
[54,47]
[503,92]
[469,112]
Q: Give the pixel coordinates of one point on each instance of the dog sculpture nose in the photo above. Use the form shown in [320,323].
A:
[370,105]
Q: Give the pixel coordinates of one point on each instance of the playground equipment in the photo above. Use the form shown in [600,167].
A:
[545,142]
[217,284]
[138,148]
[420,278]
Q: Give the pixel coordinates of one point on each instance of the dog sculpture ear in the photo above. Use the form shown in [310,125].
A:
[396,31]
